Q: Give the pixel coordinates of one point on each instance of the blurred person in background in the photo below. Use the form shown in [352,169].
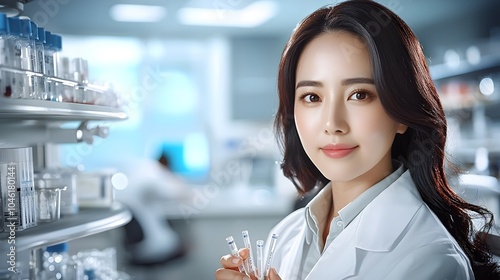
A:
[149,238]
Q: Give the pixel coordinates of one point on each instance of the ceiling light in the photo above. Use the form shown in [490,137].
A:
[137,13]
[487,86]
[451,58]
[253,15]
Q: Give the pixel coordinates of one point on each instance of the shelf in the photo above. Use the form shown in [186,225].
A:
[87,222]
[26,109]
[486,66]
[67,82]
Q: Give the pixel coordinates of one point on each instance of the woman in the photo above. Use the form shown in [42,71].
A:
[360,118]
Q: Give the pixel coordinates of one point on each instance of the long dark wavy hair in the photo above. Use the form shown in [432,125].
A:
[408,95]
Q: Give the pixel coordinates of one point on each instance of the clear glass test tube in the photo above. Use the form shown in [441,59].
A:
[270,255]
[259,273]
[234,251]
[249,261]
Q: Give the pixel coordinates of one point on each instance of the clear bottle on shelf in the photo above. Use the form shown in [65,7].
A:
[59,265]
[11,59]
[49,67]
[36,57]
[67,93]
[59,91]
[21,58]
[4,54]
[27,44]
[79,69]
[39,65]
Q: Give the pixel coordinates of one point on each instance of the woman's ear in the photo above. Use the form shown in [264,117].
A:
[401,128]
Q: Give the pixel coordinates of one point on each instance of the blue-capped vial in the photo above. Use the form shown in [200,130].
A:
[53,47]
[22,47]
[41,91]
[4,54]
[4,33]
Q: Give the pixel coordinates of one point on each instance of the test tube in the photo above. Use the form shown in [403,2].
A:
[259,273]
[249,261]
[270,255]
[234,251]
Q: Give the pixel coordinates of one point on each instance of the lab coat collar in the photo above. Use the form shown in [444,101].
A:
[323,197]
[392,209]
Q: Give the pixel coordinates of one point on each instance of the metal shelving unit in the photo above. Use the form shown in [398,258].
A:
[36,123]
[27,109]
[15,113]
[87,222]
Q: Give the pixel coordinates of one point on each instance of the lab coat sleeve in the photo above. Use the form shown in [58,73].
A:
[432,261]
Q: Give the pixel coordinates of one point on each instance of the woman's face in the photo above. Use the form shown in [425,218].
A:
[339,118]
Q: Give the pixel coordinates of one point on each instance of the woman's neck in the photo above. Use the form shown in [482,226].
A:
[345,192]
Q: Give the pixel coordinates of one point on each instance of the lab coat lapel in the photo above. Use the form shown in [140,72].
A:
[383,221]
[293,249]
[339,260]
[375,229]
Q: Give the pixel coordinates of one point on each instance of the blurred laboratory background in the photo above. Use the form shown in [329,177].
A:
[195,159]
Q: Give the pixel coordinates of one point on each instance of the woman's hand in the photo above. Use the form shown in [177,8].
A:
[230,264]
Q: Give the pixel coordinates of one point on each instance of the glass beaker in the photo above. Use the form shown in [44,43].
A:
[49,204]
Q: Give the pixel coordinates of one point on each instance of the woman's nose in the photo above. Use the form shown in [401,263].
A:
[335,119]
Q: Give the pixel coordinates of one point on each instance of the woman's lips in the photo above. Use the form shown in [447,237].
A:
[338,150]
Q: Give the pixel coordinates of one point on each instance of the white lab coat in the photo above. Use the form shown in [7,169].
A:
[395,237]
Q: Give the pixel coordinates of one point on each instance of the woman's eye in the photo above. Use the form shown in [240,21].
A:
[359,95]
[310,98]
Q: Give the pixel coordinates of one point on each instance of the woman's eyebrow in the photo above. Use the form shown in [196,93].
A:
[345,82]
[308,83]
[360,80]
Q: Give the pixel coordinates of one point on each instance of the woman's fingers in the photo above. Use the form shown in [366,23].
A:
[229,274]
[243,253]
[230,261]
[273,275]
[230,267]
